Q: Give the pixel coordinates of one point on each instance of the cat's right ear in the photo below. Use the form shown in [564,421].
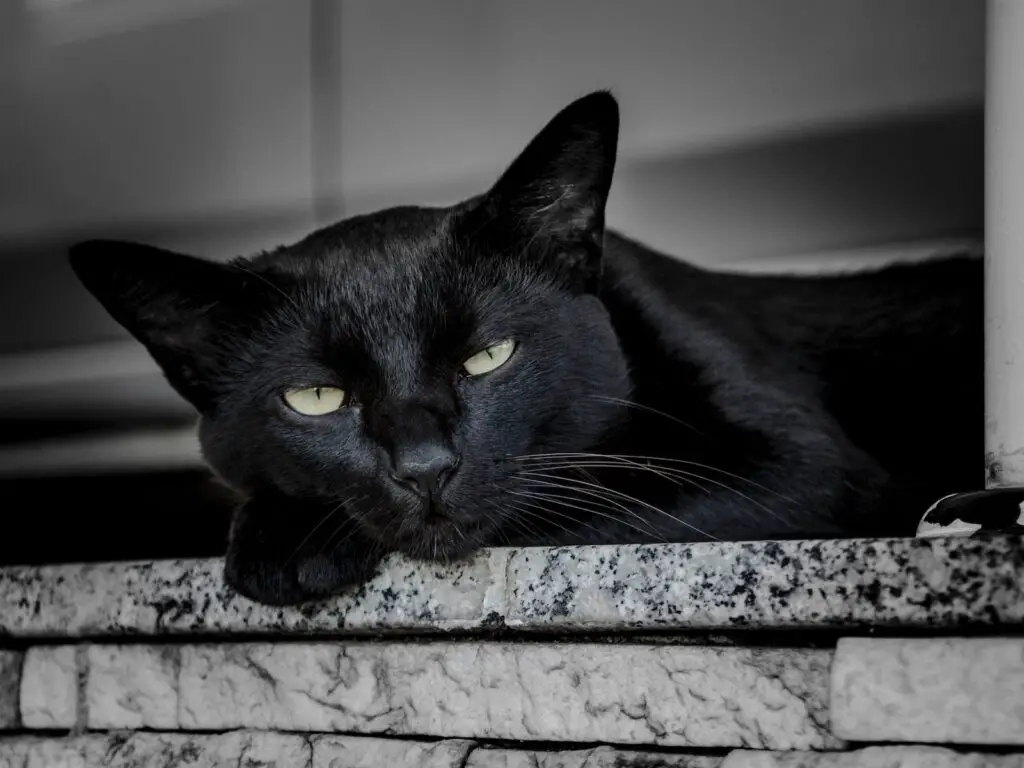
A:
[552,198]
[176,305]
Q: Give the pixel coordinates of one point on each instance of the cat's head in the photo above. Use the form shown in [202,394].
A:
[396,364]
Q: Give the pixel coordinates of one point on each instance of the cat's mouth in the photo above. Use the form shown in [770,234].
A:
[438,538]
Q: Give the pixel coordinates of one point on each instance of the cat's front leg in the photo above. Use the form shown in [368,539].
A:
[283,552]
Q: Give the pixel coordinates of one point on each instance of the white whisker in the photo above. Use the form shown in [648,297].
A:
[647,408]
[639,502]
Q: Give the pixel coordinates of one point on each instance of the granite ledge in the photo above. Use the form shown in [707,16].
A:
[916,756]
[269,749]
[904,583]
[255,749]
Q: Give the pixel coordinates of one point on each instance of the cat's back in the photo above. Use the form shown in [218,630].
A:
[934,301]
[896,354]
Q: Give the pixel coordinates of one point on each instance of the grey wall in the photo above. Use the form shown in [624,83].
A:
[202,116]
[448,88]
[209,115]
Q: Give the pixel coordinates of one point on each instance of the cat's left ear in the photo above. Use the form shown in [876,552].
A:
[178,306]
[553,195]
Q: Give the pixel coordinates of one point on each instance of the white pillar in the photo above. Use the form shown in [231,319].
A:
[1004,246]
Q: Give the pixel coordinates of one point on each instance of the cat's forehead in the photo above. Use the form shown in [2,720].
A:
[381,278]
[392,237]
[364,258]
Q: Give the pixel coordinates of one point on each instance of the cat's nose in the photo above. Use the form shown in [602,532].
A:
[425,470]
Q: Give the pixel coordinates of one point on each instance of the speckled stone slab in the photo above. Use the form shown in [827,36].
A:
[369,752]
[713,586]
[799,584]
[873,757]
[598,757]
[267,749]
[159,750]
[936,690]
[10,676]
[682,696]
[248,749]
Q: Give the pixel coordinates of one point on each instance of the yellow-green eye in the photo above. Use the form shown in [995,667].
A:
[493,357]
[315,401]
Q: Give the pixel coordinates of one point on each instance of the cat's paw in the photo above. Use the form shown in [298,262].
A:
[307,580]
[271,558]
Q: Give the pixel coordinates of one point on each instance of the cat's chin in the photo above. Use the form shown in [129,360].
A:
[441,541]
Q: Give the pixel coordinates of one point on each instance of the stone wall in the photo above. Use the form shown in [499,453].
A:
[891,653]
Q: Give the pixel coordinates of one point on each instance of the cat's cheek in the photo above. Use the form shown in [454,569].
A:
[222,456]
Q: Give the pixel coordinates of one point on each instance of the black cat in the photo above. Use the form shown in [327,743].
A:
[506,371]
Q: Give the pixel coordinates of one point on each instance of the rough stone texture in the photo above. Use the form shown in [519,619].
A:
[132,686]
[257,749]
[158,750]
[10,673]
[630,694]
[798,584]
[627,694]
[598,757]
[49,687]
[873,757]
[368,752]
[941,690]
[14,753]
[248,749]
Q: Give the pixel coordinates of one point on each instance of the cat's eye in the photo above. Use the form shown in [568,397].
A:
[489,359]
[315,401]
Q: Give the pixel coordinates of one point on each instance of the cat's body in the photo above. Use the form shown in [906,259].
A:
[859,393]
[514,374]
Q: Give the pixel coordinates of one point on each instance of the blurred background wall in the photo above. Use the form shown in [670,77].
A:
[756,134]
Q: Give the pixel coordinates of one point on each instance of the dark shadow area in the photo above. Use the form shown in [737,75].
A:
[144,516]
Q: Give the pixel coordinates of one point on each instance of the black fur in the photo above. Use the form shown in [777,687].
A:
[690,404]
